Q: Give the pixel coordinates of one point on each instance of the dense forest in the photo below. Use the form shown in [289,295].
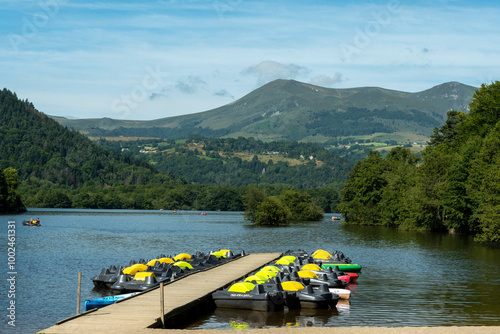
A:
[10,201]
[62,168]
[454,187]
[239,161]
[41,149]
[362,121]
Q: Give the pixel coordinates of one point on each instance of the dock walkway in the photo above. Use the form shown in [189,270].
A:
[142,311]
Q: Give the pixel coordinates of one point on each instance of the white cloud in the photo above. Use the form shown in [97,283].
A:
[327,81]
[267,71]
[96,51]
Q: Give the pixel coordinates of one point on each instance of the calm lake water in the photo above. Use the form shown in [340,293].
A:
[408,278]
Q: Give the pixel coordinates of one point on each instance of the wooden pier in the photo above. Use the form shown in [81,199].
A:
[137,314]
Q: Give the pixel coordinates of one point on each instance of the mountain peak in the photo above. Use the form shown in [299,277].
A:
[286,109]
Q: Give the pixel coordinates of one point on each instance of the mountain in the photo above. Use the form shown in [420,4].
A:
[292,110]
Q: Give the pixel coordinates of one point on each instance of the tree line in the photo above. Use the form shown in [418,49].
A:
[172,196]
[454,187]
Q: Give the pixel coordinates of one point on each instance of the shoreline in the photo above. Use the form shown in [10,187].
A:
[335,330]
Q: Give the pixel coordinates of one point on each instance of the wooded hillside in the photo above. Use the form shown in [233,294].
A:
[455,187]
[239,161]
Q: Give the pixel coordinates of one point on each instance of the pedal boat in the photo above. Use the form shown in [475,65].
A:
[249,296]
[320,298]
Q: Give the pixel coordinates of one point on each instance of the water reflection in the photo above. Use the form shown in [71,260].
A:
[224,318]
[408,278]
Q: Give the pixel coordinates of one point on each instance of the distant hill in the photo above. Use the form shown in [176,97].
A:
[292,110]
[239,161]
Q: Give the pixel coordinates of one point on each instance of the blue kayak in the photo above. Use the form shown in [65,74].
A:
[105,301]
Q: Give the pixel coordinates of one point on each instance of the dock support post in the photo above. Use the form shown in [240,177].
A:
[162,305]
[79,292]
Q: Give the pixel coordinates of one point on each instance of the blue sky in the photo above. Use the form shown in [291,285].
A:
[160,58]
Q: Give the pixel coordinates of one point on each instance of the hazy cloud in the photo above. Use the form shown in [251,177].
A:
[190,85]
[224,93]
[155,96]
[326,81]
[267,71]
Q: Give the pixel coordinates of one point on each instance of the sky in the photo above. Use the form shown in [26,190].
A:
[144,60]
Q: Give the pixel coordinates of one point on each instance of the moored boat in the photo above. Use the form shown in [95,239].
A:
[330,273]
[107,277]
[142,281]
[317,280]
[248,296]
[353,277]
[312,298]
[346,267]
[336,258]
[344,294]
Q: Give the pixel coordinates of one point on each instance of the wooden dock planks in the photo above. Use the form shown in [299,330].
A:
[143,311]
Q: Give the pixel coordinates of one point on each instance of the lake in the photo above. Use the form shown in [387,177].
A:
[408,278]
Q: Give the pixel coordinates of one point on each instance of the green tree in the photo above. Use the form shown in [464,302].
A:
[483,188]
[484,112]
[400,166]
[56,199]
[448,132]
[10,200]
[4,205]
[252,199]
[272,212]
[301,206]
[363,191]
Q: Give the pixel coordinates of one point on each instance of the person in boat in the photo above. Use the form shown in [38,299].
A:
[38,220]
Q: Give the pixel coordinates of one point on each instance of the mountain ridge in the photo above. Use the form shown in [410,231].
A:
[293,110]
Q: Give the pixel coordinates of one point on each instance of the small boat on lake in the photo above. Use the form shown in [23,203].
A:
[32,223]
